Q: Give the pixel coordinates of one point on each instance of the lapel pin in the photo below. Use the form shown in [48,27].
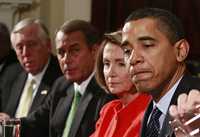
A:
[44,92]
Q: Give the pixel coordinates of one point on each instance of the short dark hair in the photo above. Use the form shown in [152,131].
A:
[114,38]
[91,34]
[168,23]
[4,35]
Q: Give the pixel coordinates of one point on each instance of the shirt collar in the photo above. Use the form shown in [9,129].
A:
[38,77]
[164,102]
[82,87]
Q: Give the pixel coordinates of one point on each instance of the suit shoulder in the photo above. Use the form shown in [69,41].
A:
[192,82]
[61,84]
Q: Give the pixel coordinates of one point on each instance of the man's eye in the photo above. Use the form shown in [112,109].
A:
[74,51]
[19,47]
[122,64]
[61,53]
[106,64]
[148,44]
[127,52]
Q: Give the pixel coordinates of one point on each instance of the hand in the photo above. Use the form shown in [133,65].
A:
[4,116]
[186,115]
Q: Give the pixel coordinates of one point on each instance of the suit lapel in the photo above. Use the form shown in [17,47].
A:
[45,84]
[84,102]
[16,92]
[146,116]
[62,111]
[186,84]
[166,130]
[82,107]
[183,87]
[40,95]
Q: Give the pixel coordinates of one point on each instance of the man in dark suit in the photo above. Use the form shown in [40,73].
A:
[9,66]
[155,49]
[76,46]
[32,45]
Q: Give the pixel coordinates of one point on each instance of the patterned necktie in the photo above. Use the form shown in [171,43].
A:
[26,100]
[153,127]
[71,114]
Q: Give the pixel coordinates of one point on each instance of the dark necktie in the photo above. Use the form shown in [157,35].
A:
[153,126]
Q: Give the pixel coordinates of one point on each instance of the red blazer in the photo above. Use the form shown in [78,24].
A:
[116,121]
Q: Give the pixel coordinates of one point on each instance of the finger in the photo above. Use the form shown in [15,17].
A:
[179,132]
[181,104]
[173,111]
[4,116]
[193,100]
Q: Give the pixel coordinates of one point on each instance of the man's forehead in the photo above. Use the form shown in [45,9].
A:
[75,35]
[60,35]
[127,27]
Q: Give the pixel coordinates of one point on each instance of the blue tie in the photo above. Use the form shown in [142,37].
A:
[153,126]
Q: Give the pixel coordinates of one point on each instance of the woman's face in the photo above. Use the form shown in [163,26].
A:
[116,75]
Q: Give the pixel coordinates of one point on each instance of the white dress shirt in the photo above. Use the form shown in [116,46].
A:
[164,102]
[82,87]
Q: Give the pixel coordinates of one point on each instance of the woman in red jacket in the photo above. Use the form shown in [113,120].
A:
[121,117]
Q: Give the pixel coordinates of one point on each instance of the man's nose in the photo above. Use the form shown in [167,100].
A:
[66,57]
[25,51]
[135,57]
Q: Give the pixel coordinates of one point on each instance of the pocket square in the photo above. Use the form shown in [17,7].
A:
[44,92]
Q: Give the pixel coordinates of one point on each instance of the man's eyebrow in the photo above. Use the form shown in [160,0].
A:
[143,38]
[124,43]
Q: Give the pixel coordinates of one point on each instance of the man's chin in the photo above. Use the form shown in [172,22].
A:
[145,88]
[70,78]
[32,71]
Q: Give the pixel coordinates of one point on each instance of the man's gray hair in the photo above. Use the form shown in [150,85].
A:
[43,31]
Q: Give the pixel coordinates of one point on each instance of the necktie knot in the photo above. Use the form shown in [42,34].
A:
[33,82]
[32,85]
[77,95]
[156,113]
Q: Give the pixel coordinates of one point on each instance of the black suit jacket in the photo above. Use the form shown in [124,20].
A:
[9,70]
[51,74]
[186,84]
[54,112]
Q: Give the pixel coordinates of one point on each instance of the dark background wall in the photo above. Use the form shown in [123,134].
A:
[109,15]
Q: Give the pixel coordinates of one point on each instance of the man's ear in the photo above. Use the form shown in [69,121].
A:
[94,49]
[182,49]
[49,45]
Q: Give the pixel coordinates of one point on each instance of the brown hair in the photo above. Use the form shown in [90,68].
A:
[90,33]
[114,38]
